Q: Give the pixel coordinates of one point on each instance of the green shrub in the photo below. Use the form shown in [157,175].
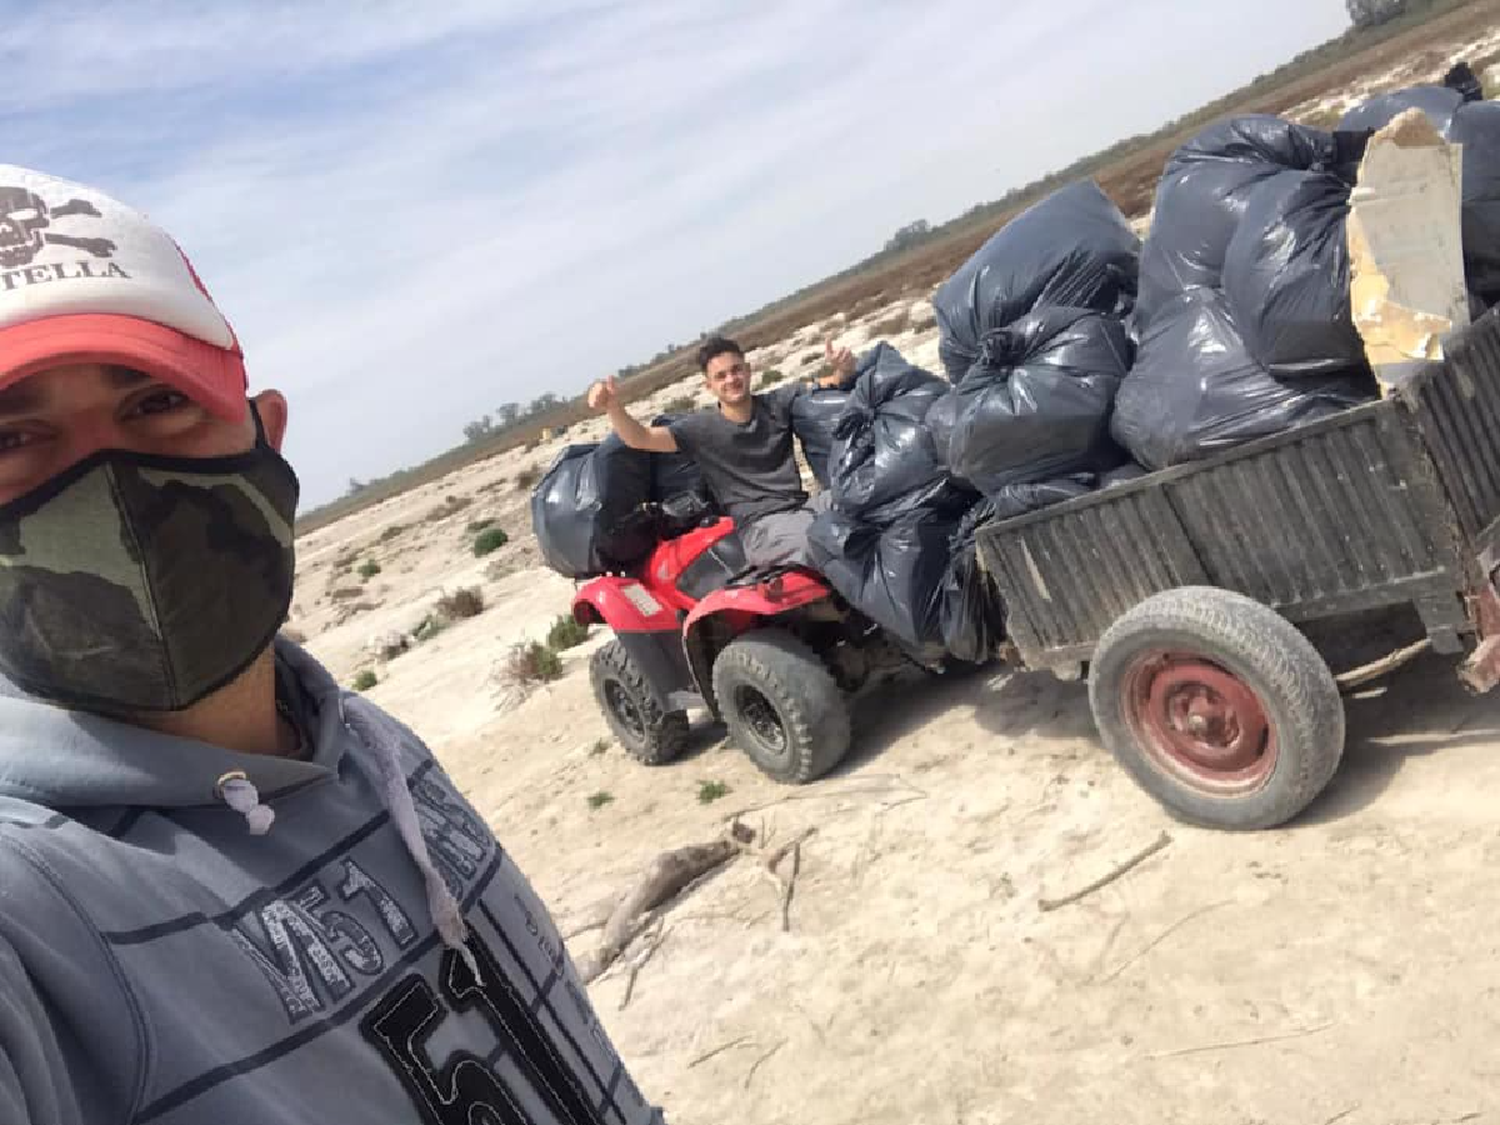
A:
[368,569]
[490,539]
[711,791]
[533,663]
[565,633]
[600,799]
[364,680]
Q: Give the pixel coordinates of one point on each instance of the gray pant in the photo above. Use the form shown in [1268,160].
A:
[780,539]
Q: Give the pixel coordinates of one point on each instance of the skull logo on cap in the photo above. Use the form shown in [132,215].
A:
[24,219]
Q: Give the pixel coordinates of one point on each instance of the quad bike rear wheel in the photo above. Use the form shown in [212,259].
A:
[650,734]
[781,705]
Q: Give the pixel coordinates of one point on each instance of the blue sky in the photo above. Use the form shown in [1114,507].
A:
[415,212]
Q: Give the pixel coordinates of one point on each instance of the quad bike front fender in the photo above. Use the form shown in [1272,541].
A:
[725,614]
[624,605]
[649,630]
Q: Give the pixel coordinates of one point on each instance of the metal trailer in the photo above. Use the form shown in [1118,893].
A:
[1181,594]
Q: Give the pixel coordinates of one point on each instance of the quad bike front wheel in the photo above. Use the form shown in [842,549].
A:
[649,734]
[781,705]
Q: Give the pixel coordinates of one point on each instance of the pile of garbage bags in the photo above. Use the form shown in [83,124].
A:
[587,510]
[898,541]
[1244,322]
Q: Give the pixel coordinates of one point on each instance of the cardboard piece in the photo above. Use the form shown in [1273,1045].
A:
[1405,233]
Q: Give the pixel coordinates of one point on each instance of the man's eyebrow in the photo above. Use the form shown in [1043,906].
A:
[122,378]
[27,397]
[23,398]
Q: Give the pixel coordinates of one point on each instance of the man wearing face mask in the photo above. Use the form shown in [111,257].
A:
[229,891]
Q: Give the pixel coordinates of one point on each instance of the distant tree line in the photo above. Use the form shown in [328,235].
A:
[1372,13]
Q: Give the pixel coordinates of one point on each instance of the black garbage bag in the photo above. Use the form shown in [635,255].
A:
[1011,500]
[1286,276]
[973,616]
[1204,190]
[1195,391]
[1439,103]
[673,473]
[894,574]
[587,510]
[1036,404]
[1476,126]
[1072,249]
[1462,79]
[815,420]
[883,462]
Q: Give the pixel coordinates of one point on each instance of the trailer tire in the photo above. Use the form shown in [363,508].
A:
[1218,707]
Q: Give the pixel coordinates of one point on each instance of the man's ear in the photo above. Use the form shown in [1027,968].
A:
[271,406]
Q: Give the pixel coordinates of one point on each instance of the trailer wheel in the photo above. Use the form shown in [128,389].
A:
[649,734]
[781,705]
[1218,707]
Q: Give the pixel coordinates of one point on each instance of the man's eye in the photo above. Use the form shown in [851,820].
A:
[160,402]
[13,439]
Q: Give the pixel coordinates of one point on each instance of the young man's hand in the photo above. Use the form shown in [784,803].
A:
[602,395]
[840,365]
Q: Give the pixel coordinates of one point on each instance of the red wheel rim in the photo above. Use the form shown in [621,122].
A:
[1200,723]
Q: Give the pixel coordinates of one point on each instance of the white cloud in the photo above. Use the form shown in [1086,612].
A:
[415,212]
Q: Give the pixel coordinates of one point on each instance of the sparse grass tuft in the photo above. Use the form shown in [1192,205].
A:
[600,799]
[476,526]
[526,479]
[684,404]
[368,569]
[565,633]
[364,680]
[599,749]
[466,601]
[533,663]
[711,791]
[391,532]
[490,539]
[771,378]
[431,626]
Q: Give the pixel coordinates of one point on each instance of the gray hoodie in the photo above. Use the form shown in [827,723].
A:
[161,964]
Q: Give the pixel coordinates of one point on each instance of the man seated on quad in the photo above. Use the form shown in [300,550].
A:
[744,448]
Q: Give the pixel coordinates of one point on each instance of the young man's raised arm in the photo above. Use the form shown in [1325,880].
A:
[654,439]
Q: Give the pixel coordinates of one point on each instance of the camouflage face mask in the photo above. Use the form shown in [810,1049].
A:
[139,583]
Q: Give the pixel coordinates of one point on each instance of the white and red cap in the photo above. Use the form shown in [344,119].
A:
[86,279]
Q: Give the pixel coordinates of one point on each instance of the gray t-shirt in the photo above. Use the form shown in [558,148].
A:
[750,468]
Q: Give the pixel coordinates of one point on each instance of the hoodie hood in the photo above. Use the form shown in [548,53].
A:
[69,759]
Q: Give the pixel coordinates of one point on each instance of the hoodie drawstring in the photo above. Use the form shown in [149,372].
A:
[239,793]
[447,915]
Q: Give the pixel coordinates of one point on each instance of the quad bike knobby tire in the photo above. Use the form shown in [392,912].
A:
[781,705]
[1218,706]
[648,733]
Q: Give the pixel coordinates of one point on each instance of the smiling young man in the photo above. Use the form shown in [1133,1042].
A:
[743,446]
[230,892]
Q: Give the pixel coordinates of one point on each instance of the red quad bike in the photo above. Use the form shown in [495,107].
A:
[776,655]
